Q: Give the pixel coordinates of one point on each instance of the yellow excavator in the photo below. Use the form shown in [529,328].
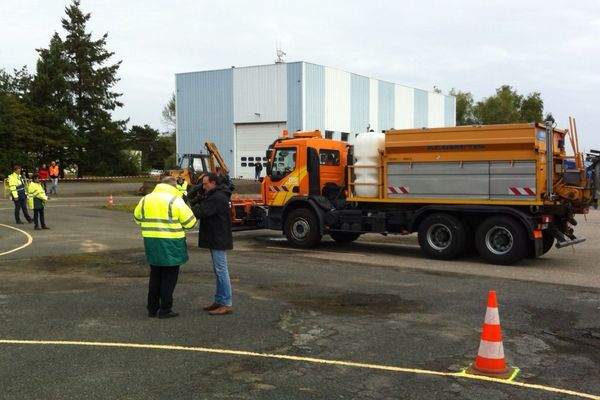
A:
[191,167]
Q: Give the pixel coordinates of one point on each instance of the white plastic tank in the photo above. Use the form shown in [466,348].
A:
[367,149]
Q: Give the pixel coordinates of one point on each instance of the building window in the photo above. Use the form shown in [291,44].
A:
[328,134]
[345,136]
[329,157]
[243,158]
[244,164]
[250,158]
[251,164]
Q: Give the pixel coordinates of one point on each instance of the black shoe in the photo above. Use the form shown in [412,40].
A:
[170,314]
[19,222]
[30,221]
[152,314]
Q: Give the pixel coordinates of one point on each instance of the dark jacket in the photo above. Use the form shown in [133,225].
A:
[215,220]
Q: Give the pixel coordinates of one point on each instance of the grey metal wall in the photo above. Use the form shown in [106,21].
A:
[314,97]
[205,111]
[386,105]
[294,96]
[260,94]
[450,111]
[359,103]
[421,108]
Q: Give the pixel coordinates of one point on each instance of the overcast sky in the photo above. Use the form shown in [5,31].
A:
[552,47]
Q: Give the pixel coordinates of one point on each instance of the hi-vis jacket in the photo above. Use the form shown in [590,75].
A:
[37,196]
[16,186]
[163,216]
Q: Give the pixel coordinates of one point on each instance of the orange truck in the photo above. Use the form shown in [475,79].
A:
[503,190]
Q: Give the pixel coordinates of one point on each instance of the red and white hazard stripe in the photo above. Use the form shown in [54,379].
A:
[278,189]
[521,191]
[398,190]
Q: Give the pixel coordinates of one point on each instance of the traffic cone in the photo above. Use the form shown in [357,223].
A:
[110,201]
[490,357]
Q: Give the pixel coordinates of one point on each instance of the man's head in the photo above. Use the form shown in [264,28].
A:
[35,178]
[17,168]
[210,181]
[169,180]
[53,163]
[44,166]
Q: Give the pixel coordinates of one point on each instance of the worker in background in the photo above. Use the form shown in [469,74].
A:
[257,170]
[43,174]
[182,186]
[37,200]
[215,234]
[53,172]
[164,217]
[16,185]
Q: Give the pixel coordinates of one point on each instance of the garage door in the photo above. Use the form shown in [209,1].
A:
[251,143]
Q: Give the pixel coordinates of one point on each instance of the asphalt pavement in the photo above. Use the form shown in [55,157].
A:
[74,324]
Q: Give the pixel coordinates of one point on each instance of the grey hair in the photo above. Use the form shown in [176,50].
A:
[169,180]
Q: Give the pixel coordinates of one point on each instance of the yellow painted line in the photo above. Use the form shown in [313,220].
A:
[29,239]
[312,360]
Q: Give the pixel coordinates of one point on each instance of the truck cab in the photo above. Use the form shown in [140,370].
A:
[305,175]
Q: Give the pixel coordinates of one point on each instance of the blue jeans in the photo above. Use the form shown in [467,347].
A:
[223,294]
[54,184]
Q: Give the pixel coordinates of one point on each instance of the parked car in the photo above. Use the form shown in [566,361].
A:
[155,172]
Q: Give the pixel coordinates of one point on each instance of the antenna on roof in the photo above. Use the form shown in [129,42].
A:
[280,54]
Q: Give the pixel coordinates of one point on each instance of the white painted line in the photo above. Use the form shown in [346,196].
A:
[27,235]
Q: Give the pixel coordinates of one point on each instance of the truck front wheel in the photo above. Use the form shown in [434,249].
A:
[442,236]
[501,240]
[301,228]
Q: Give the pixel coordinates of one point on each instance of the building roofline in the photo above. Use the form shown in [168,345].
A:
[319,65]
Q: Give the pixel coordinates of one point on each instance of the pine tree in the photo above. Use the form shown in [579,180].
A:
[97,138]
[50,99]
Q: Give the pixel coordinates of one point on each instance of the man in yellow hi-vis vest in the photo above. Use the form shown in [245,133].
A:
[163,217]
[18,191]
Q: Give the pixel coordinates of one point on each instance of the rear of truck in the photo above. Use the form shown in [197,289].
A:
[502,189]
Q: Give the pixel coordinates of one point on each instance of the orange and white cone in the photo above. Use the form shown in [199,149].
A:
[490,357]
[110,201]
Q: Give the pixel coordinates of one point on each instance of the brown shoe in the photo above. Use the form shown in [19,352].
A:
[222,310]
[213,306]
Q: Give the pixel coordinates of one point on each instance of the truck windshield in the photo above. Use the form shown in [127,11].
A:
[284,162]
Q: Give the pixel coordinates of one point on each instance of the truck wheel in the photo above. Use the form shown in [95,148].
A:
[344,237]
[302,228]
[442,236]
[501,240]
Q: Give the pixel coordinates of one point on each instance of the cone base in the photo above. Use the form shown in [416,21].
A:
[506,373]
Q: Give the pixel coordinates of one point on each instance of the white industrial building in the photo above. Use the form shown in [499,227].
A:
[243,110]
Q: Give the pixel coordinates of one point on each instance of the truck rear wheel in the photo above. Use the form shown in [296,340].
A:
[302,228]
[442,236]
[344,237]
[501,240]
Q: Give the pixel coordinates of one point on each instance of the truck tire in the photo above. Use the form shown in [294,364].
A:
[344,237]
[301,228]
[502,240]
[442,236]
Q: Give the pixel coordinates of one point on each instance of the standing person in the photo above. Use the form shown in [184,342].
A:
[163,216]
[43,174]
[215,235]
[37,199]
[16,185]
[53,171]
[257,170]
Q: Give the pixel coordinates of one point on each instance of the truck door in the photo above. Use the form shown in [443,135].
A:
[288,171]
